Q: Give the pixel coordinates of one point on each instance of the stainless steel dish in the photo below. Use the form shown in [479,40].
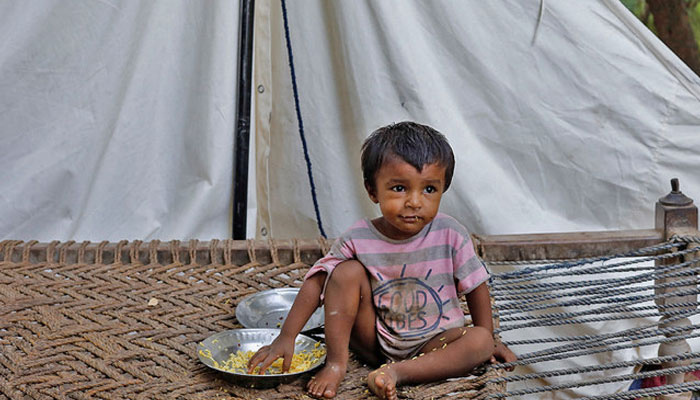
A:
[221,345]
[269,309]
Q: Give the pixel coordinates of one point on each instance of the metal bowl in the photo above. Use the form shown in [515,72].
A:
[222,344]
[269,309]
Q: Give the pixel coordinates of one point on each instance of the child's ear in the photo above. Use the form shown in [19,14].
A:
[371,192]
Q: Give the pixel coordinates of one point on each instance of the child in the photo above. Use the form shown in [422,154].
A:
[391,285]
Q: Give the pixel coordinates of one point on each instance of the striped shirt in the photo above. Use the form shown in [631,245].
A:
[416,282]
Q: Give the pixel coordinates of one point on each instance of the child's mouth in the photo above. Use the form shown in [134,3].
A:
[411,218]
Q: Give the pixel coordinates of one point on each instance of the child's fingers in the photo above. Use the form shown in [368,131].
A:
[504,355]
[287,363]
[267,362]
[262,352]
[257,358]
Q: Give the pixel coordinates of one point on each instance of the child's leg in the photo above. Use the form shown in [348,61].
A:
[349,321]
[451,354]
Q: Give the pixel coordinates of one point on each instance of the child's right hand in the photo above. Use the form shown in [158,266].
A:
[282,346]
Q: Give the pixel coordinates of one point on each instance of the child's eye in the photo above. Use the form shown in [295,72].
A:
[430,189]
[399,188]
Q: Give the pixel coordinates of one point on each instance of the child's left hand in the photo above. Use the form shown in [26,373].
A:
[503,354]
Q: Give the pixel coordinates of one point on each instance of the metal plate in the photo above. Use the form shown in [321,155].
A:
[269,309]
[223,344]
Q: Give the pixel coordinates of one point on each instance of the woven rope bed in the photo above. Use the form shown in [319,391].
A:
[122,320]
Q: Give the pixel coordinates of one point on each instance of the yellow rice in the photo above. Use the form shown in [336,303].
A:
[238,362]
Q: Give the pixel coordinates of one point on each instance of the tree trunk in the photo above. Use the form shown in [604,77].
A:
[673,27]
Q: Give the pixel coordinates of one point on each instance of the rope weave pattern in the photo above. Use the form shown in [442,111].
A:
[128,328]
[640,285]
[89,328]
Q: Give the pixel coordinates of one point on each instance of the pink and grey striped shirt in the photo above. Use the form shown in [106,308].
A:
[415,282]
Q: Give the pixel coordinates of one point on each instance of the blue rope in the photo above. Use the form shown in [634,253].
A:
[299,119]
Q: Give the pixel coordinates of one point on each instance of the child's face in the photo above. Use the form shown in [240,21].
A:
[407,198]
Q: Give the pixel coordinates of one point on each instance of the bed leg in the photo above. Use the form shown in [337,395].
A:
[675,215]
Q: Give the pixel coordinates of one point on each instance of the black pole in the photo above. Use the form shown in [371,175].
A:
[241,145]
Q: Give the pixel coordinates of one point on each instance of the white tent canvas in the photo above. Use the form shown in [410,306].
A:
[563,116]
[117,119]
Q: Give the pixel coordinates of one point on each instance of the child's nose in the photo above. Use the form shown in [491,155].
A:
[413,200]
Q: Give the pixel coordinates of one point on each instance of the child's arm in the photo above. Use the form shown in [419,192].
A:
[305,303]
[479,303]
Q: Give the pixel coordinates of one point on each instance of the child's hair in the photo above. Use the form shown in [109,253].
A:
[414,143]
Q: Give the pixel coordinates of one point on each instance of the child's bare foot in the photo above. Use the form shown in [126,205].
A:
[382,382]
[326,382]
